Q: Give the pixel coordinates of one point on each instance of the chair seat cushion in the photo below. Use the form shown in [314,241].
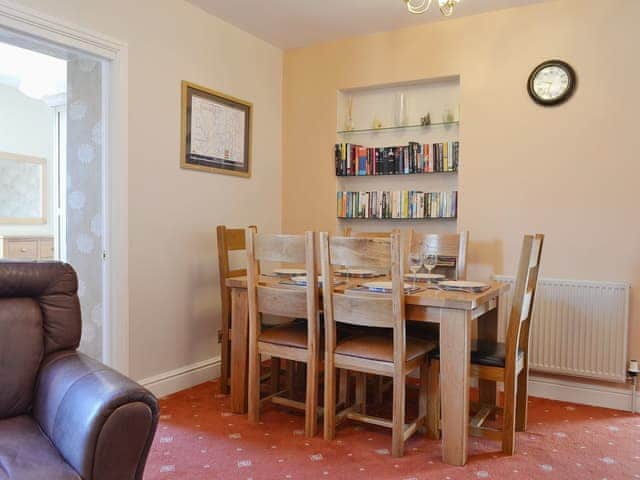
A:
[380,347]
[27,454]
[488,354]
[291,335]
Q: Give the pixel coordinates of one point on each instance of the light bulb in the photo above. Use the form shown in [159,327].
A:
[446,6]
[418,6]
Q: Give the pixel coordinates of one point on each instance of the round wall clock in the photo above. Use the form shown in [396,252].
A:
[552,82]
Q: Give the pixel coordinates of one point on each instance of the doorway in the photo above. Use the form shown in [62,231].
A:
[54,31]
[52,191]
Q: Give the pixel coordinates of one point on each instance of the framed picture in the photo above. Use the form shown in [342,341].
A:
[23,189]
[216,132]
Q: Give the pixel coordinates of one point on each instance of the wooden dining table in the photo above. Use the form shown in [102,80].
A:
[455,312]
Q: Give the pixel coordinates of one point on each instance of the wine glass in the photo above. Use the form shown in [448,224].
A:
[430,261]
[415,262]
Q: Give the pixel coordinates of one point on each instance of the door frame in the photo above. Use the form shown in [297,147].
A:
[116,333]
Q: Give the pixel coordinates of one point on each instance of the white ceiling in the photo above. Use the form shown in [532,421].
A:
[297,23]
[35,74]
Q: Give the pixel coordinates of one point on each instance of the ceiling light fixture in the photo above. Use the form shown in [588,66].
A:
[420,6]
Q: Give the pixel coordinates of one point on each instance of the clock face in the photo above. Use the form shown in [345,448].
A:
[551,82]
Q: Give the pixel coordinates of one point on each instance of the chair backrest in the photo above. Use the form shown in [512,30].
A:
[450,248]
[369,310]
[274,298]
[348,232]
[523,296]
[39,315]
[229,240]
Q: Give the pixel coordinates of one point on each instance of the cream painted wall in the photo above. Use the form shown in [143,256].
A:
[27,128]
[174,300]
[570,172]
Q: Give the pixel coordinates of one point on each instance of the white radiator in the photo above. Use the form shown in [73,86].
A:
[579,328]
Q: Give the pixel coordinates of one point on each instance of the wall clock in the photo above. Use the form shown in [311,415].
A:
[552,82]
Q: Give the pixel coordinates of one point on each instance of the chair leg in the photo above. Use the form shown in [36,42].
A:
[329,419]
[253,389]
[343,387]
[311,400]
[509,419]
[225,357]
[399,407]
[275,375]
[379,389]
[433,401]
[290,378]
[424,392]
[522,401]
[361,392]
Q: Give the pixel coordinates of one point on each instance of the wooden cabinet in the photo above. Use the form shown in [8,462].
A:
[27,248]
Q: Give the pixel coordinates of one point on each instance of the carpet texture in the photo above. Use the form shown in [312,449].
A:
[199,438]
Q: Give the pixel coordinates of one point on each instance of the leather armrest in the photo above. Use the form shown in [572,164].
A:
[101,422]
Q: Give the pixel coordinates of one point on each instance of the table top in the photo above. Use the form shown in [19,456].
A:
[429,297]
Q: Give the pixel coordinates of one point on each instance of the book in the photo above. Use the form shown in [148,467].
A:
[405,204]
[357,160]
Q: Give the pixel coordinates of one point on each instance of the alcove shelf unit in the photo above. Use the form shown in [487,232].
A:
[383,147]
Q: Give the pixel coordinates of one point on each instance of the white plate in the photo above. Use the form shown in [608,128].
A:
[302,279]
[424,276]
[382,286]
[464,284]
[356,272]
[290,271]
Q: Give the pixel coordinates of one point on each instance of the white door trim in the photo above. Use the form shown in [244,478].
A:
[25,20]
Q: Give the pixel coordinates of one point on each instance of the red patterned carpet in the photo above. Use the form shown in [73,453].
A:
[198,438]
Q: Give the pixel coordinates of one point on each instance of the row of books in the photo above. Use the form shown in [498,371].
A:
[404,204]
[356,160]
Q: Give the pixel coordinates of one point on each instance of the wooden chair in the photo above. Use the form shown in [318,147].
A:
[392,356]
[452,262]
[348,232]
[450,248]
[503,362]
[229,239]
[299,341]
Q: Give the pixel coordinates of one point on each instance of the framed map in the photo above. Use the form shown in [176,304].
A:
[216,132]
[22,189]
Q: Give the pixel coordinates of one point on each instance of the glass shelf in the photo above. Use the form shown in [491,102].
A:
[398,174]
[399,127]
[398,219]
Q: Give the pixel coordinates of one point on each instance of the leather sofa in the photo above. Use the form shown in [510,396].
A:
[63,415]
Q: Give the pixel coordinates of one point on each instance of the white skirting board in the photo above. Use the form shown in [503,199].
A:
[561,389]
[575,391]
[182,378]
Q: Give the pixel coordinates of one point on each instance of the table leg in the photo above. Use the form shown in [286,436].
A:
[455,356]
[239,349]
[488,330]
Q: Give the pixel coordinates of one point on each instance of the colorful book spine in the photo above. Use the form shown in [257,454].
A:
[407,204]
[357,160]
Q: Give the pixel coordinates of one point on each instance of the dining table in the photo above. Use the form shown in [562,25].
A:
[454,311]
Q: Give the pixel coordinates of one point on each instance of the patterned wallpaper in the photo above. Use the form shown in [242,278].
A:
[84,194]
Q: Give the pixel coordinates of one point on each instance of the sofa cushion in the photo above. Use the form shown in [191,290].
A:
[54,286]
[27,454]
[21,351]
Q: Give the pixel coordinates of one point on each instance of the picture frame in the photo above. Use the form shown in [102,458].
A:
[216,131]
[23,189]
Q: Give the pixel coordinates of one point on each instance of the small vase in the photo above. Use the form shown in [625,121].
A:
[402,112]
[348,123]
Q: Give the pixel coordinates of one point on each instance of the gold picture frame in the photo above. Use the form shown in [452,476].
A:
[214,144]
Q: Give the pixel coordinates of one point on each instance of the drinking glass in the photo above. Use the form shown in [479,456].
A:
[430,261]
[415,262]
